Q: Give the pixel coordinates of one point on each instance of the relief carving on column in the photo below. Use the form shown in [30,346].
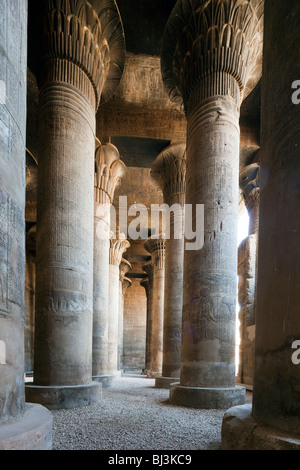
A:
[169,170]
[215,42]
[88,34]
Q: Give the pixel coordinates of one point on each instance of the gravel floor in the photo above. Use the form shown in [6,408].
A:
[134,415]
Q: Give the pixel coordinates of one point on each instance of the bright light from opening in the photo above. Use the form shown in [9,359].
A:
[243,226]
[243,231]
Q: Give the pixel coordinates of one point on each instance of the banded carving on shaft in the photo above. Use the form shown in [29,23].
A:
[90,35]
[217,43]
[109,170]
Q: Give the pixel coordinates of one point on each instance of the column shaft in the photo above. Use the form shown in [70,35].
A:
[13,57]
[64,287]
[113,322]
[101,292]
[23,426]
[148,284]
[109,170]
[156,246]
[276,388]
[169,171]
[173,299]
[210,276]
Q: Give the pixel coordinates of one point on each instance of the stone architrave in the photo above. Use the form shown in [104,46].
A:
[211,59]
[156,246]
[23,426]
[247,258]
[273,420]
[148,285]
[83,54]
[109,170]
[124,283]
[118,245]
[168,170]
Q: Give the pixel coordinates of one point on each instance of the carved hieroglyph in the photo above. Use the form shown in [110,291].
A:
[118,245]
[156,246]
[169,171]
[211,58]
[13,59]
[82,62]
[148,285]
[109,170]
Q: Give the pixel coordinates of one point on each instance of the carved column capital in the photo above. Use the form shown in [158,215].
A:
[249,184]
[169,170]
[215,43]
[125,266]
[109,170]
[116,249]
[125,284]
[156,246]
[88,34]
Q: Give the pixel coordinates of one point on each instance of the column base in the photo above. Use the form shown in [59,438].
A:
[33,431]
[152,375]
[240,431]
[105,380]
[207,398]
[65,396]
[165,382]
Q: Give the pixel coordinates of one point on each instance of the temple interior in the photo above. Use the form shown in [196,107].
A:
[149,211]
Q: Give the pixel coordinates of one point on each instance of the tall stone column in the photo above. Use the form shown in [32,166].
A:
[210,55]
[22,425]
[169,171]
[156,246]
[247,258]
[81,54]
[274,420]
[109,170]
[148,285]
[124,283]
[118,245]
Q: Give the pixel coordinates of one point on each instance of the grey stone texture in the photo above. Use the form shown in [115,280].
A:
[156,246]
[169,171]
[273,421]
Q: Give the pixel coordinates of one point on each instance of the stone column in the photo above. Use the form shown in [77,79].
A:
[124,283]
[109,170]
[274,420]
[78,66]
[118,245]
[156,246]
[148,285]
[30,280]
[169,171]
[22,425]
[210,55]
[247,274]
